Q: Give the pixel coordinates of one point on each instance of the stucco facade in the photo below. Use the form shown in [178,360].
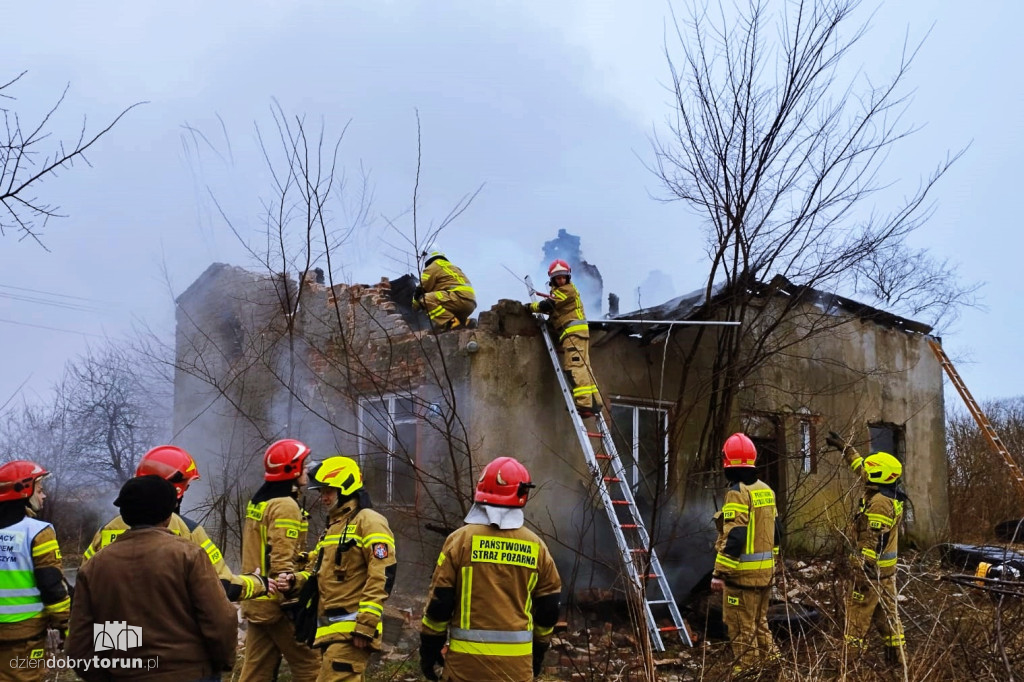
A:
[350,370]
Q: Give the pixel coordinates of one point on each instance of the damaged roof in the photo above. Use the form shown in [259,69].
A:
[696,306]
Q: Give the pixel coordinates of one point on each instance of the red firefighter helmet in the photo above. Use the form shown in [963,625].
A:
[284,460]
[504,483]
[559,267]
[172,463]
[18,479]
[738,451]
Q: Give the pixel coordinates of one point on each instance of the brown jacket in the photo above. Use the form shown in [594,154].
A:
[876,525]
[495,592]
[747,540]
[568,317]
[355,575]
[166,586]
[273,541]
[237,587]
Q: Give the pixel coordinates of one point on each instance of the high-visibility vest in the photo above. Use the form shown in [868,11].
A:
[19,596]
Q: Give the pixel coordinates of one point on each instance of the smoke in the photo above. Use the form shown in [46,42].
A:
[585,276]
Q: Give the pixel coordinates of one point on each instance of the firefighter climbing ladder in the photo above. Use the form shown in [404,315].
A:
[976,412]
[643,569]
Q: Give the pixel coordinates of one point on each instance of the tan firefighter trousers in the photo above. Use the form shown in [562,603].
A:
[576,362]
[265,643]
[873,601]
[745,614]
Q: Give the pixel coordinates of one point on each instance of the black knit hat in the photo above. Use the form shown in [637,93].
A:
[146,500]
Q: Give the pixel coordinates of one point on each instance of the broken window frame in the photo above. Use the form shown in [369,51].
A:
[371,444]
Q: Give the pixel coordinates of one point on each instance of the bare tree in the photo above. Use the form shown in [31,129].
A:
[28,157]
[782,155]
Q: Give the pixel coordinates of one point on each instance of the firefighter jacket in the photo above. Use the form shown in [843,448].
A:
[495,592]
[355,566]
[33,594]
[441,275]
[274,541]
[747,536]
[237,587]
[876,525]
[568,317]
[166,590]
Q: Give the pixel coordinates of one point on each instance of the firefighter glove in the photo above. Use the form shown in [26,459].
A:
[430,655]
[420,292]
[546,305]
[539,649]
[416,304]
[836,441]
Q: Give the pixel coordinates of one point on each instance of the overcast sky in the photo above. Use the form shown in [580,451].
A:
[549,105]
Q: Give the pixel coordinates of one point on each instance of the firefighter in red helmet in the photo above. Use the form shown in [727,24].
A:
[273,542]
[747,545]
[33,594]
[495,591]
[176,466]
[444,293]
[564,309]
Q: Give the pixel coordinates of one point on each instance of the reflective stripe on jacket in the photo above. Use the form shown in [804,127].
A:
[442,275]
[746,545]
[876,525]
[568,317]
[273,541]
[492,578]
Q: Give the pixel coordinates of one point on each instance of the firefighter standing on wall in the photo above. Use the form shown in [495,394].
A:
[495,589]
[33,594]
[273,538]
[875,534]
[444,293]
[565,308]
[177,467]
[354,564]
[745,560]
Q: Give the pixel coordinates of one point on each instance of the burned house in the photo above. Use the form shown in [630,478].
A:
[351,369]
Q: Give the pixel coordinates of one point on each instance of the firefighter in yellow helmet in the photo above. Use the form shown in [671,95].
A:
[354,565]
[444,293]
[495,590]
[274,542]
[175,465]
[565,310]
[747,545]
[875,535]
[33,594]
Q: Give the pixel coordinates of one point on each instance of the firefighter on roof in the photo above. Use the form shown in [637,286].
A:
[495,590]
[33,594]
[745,560]
[875,534]
[444,293]
[177,466]
[565,310]
[274,542]
[354,564]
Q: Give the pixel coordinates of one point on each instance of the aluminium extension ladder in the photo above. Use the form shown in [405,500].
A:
[979,416]
[643,569]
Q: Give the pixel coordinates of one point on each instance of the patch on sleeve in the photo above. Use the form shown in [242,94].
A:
[380,550]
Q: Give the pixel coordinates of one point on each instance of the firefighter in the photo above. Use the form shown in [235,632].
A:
[875,534]
[33,594]
[354,565]
[495,590]
[565,308]
[177,466]
[745,561]
[151,597]
[273,542]
[444,292]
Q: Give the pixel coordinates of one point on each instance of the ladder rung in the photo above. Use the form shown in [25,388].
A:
[658,601]
[612,479]
[670,628]
[639,550]
[594,435]
[628,525]
[603,456]
[625,502]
